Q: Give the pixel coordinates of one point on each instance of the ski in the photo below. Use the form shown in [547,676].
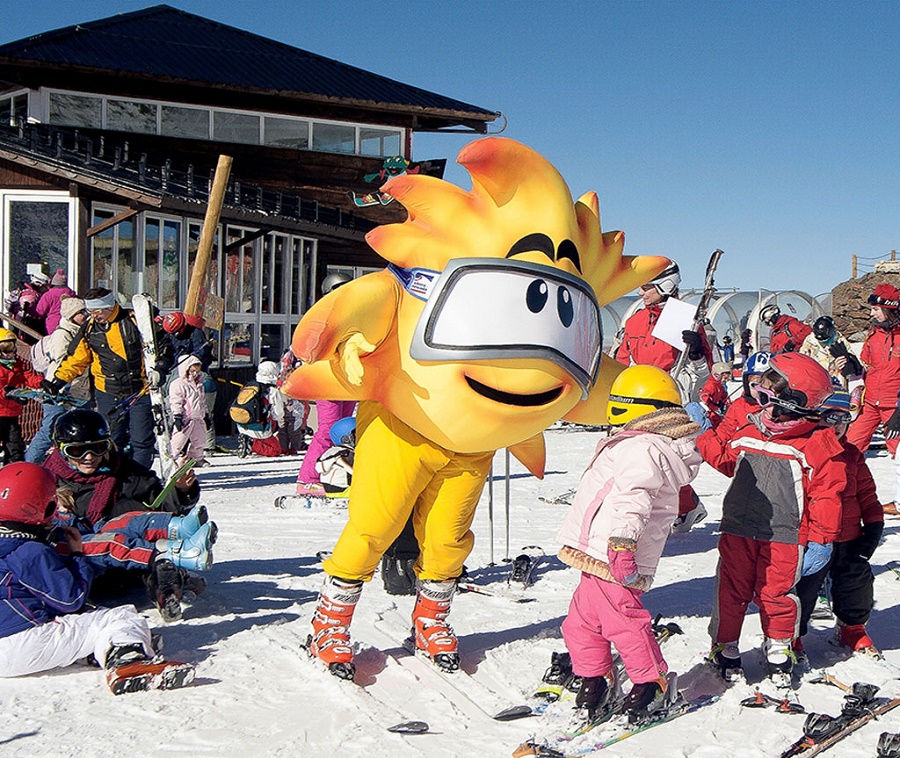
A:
[709,289]
[563,498]
[149,675]
[62,399]
[480,589]
[170,484]
[143,314]
[895,567]
[332,500]
[821,731]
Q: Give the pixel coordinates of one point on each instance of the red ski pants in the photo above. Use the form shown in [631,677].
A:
[760,572]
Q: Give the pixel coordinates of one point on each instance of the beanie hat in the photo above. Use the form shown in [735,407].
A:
[69,306]
[886,296]
[721,367]
[59,278]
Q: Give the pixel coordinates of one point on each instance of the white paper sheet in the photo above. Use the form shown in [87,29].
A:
[676,316]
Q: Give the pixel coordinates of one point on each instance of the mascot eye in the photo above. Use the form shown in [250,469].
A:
[536,296]
[564,306]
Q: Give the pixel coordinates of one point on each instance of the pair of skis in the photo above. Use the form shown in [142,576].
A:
[821,731]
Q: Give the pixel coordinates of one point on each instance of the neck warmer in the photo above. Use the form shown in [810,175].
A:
[671,422]
[766,424]
[103,481]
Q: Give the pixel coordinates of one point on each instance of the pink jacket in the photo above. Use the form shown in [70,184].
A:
[629,491]
[47,307]
[186,397]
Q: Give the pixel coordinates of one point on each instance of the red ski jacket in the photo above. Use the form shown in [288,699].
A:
[860,501]
[788,331]
[17,375]
[881,357]
[640,346]
[715,397]
[785,488]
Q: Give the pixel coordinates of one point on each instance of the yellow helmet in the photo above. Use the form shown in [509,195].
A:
[640,390]
[6,335]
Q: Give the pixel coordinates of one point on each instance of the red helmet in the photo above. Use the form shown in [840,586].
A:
[809,384]
[174,322]
[27,494]
[886,296]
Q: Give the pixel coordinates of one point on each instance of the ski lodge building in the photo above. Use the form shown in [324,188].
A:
[110,132]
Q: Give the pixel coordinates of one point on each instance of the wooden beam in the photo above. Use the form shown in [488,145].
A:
[115,220]
[208,233]
[232,246]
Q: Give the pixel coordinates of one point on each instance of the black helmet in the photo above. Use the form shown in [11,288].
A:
[823,328]
[80,425]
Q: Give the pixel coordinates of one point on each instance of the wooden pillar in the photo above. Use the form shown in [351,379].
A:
[853,266]
[208,233]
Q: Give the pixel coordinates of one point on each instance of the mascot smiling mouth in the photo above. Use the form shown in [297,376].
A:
[508,398]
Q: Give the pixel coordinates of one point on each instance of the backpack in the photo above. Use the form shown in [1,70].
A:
[249,405]
[335,467]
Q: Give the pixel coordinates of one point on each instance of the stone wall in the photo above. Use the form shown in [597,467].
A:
[848,301]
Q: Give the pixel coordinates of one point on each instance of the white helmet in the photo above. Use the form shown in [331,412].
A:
[333,281]
[668,281]
[769,314]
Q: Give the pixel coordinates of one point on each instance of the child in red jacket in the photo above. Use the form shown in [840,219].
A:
[862,523]
[14,373]
[714,393]
[781,513]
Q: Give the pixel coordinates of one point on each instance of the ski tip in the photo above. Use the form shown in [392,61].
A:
[409,727]
[513,713]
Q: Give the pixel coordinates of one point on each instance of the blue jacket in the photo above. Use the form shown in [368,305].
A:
[36,583]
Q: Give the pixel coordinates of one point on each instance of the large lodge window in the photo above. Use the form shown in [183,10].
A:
[197,122]
[264,280]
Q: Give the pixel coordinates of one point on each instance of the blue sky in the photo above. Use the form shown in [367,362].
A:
[769,129]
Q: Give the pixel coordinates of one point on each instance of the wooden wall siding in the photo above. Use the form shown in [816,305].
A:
[14,176]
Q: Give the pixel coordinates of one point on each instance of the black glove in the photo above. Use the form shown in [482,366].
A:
[694,342]
[52,386]
[865,544]
[789,347]
[22,400]
[178,422]
[892,427]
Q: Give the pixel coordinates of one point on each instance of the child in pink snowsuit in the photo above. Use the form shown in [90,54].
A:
[615,533]
[329,412]
[187,401]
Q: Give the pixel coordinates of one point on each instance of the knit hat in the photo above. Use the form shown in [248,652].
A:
[59,278]
[885,295]
[69,306]
[721,367]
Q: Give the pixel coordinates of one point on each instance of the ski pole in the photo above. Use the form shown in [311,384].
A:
[491,513]
[507,558]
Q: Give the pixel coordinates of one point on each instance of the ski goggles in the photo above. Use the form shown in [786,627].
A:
[789,399]
[835,417]
[78,451]
[488,308]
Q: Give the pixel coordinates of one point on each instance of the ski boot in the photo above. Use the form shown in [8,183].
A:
[647,700]
[398,576]
[855,637]
[780,660]
[165,585]
[432,635]
[889,745]
[330,638]
[726,657]
[595,696]
[182,527]
[129,669]
[556,678]
[194,552]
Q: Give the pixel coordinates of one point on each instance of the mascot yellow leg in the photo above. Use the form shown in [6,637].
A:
[398,471]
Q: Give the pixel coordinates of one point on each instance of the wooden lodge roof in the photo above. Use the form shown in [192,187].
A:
[193,55]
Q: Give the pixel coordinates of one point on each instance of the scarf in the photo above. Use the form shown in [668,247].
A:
[671,422]
[103,481]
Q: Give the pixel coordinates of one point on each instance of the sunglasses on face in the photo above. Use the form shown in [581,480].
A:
[78,451]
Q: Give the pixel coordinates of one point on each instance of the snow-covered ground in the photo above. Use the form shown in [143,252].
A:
[256,693]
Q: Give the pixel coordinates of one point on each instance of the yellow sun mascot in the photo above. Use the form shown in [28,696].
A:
[483,330]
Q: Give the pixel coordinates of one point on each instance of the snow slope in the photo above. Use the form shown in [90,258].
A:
[257,694]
